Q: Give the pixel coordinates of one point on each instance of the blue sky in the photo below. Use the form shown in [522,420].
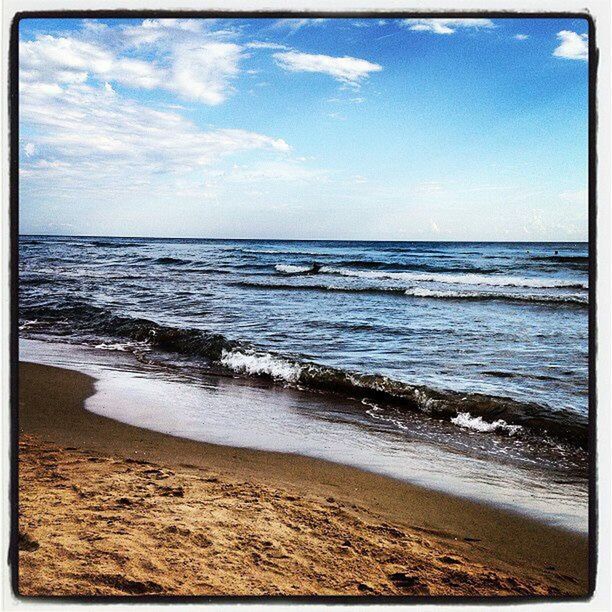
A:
[423,129]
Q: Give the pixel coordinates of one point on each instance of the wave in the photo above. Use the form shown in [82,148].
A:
[497,295]
[27,324]
[242,358]
[420,292]
[503,415]
[289,269]
[467,421]
[457,279]
[121,347]
[266,364]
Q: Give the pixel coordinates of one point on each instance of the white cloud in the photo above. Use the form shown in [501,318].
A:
[194,61]
[573,46]
[50,59]
[29,149]
[521,36]
[92,25]
[297,24]
[349,70]
[94,138]
[258,44]
[204,72]
[446,26]
[200,68]
[64,60]
[152,31]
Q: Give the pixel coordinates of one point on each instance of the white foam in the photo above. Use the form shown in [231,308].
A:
[456,279]
[573,298]
[422,292]
[252,363]
[117,346]
[467,421]
[376,412]
[27,324]
[287,269]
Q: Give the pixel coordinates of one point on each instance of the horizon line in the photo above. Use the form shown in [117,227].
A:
[297,239]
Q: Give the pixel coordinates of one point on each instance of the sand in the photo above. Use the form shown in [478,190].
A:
[111,509]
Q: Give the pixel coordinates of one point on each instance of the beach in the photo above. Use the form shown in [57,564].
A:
[304,307]
[111,509]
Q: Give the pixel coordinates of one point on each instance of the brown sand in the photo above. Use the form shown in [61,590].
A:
[111,509]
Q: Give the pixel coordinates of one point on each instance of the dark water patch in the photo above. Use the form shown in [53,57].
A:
[36,281]
[499,374]
[577,259]
[544,377]
[172,261]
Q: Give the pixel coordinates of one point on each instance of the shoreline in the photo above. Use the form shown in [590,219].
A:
[526,557]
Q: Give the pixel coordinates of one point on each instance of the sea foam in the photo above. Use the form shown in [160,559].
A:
[261,364]
[287,269]
[574,298]
[454,279]
[467,421]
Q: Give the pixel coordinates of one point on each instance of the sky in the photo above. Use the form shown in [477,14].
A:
[347,129]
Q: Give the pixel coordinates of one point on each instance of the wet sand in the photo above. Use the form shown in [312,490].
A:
[111,509]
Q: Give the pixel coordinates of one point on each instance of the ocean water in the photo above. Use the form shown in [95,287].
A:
[482,347]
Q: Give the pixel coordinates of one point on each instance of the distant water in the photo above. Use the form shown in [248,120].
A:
[491,338]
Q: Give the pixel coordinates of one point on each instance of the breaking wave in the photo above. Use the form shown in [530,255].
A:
[421,292]
[288,269]
[574,298]
[264,364]
[467,421]
[457,279]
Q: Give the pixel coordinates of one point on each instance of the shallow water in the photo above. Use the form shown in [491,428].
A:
[227,411]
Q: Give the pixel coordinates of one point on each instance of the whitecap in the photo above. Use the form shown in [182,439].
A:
[261,364]
[456,279]
[467,421]
[287,269]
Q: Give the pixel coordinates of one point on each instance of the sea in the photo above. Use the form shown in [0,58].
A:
[462,366]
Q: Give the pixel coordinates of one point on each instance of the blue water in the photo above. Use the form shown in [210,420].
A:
[490,336]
